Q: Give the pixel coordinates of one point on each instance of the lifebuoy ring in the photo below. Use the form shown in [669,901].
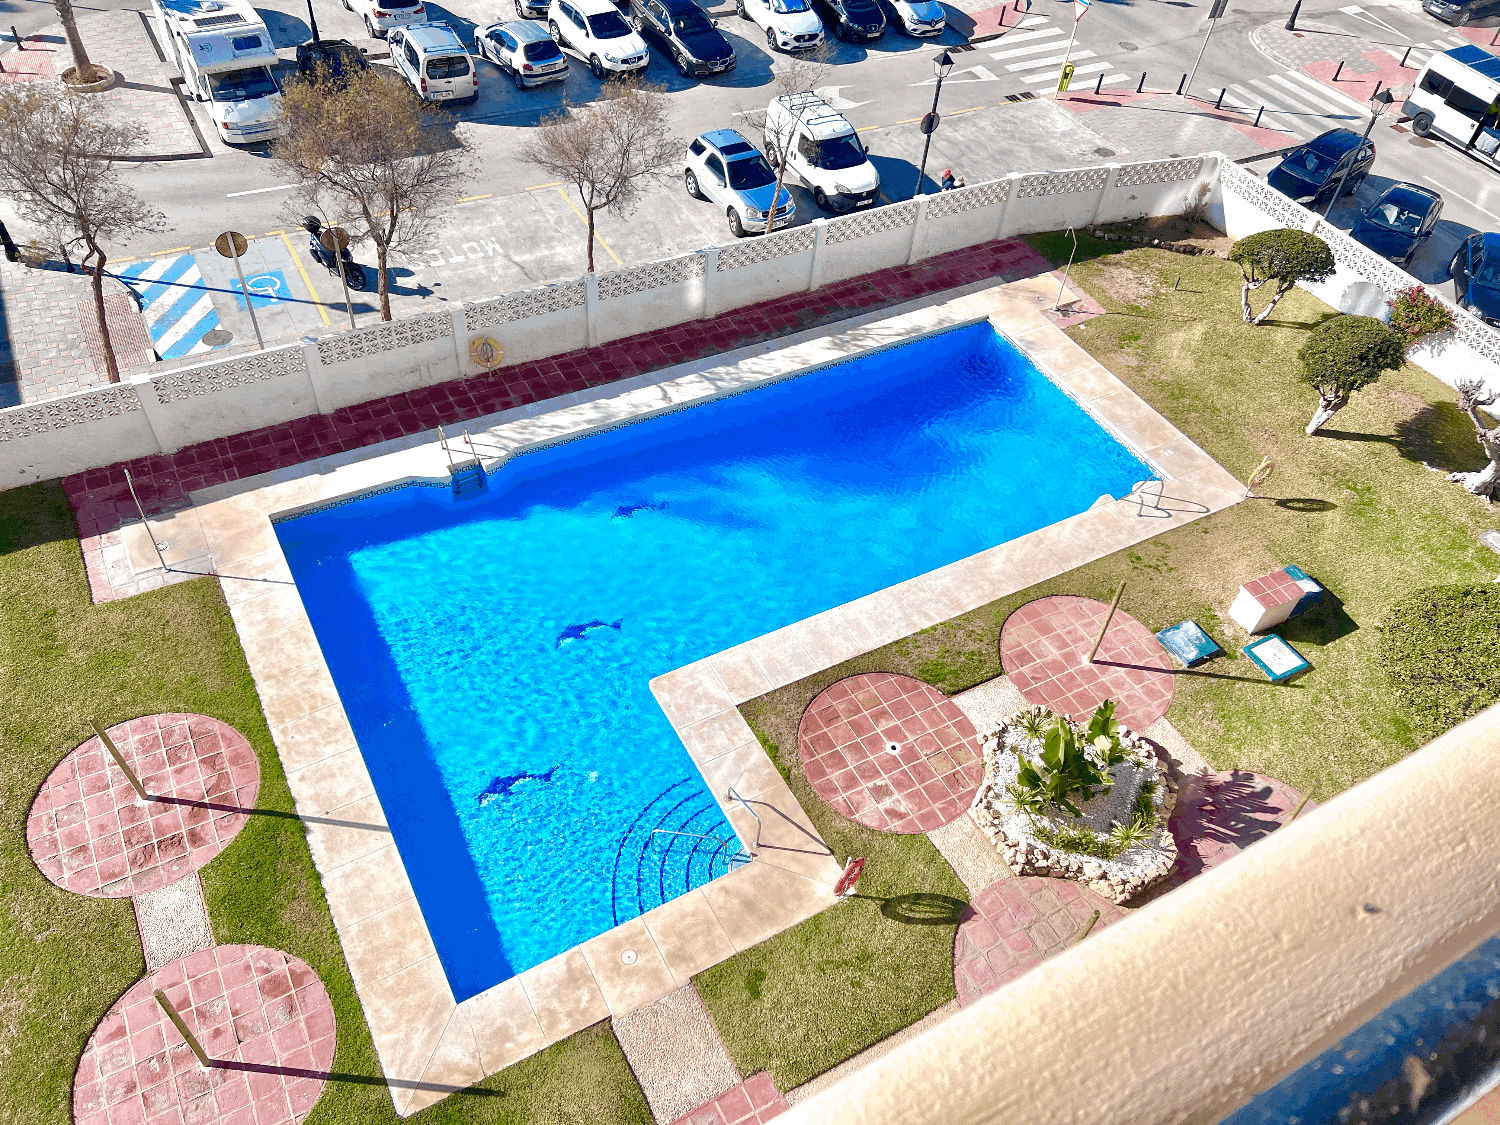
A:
[486,352]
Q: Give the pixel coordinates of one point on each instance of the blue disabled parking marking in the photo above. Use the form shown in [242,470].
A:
[265,289]
[175,303]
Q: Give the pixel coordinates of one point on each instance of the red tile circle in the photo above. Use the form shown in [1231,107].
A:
[88,832]
[1218,815]
[1044,647]
[1015,924]
[928,780]
[261,1015]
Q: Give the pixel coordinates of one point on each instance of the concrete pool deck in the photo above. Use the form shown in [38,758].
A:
[429,1045]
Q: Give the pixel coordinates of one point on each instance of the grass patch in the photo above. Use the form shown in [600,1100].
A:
[816,994]
[65,958]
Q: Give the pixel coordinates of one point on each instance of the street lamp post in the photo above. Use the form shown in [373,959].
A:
[941,66]
[1377,107]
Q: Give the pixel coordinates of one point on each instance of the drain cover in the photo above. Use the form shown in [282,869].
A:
[1124,46]
[217,337]
[1104,152]
[628,957]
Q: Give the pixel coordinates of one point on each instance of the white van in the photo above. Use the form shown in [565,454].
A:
[434,62]
[225,54]
[824,150]
[1457,98]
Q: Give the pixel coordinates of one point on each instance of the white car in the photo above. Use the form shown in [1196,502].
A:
[922,18]
[595,30]
[432,59]
[382,15]
[790,25]
[726,169]
[524,51]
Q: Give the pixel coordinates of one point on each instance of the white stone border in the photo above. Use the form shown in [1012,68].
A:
[429,1046]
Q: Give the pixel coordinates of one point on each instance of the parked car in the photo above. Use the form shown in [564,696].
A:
[532,9]
[1475,270]
[691,40]
[824,150]
[1310,174]
[922,18]
[598,32]
[382,15]
[432,59]
[852,19]
[726,169]
[524,51]
[1461,12]
[1397,224]
[790,25]
[330,58]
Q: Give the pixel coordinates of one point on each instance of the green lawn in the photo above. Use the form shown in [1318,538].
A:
[65,958]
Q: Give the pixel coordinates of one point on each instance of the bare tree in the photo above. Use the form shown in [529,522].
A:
[796,74]
[83,68]
[373,158]
[1470,400]
[608,148]
[58,165]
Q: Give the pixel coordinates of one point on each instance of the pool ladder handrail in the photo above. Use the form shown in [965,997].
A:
[723,843]
[758,826]
[467,469]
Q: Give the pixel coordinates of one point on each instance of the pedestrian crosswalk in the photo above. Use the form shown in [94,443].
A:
[1417,57]
[1035,51]
[175,303]
[1294,103]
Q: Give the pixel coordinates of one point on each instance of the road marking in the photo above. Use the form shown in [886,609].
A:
[1091,68]
[971,109]
[174,250]
[1025,35]
[472,198]
[1055,60]
[538,187]
[1031,50]
[175,303]
[259,191]
[830,95]
[1360,14]
[908,120]
[584,217]
[307,281]
[274,233]
[1467,200]
[1310,83]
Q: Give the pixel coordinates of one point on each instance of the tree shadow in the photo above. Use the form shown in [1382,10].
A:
[398,290]
[1236,811]
[1441,436]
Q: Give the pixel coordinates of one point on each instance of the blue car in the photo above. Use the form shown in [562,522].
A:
[1312,173]
[1397,224]
[728,170]
[1476,276]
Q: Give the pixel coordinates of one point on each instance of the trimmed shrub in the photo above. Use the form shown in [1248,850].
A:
[1441,647]
[1416,313]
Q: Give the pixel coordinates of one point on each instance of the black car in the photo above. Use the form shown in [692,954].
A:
[334,57]
[1397,224]
[1475,270]
[1311,173]
[853,19]
[1461,12]
[690,38]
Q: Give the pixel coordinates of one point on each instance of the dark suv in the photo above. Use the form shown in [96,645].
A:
[331,59]
[853,19]
[1311,173]
[1461,12]
[690,38]
[1476,276]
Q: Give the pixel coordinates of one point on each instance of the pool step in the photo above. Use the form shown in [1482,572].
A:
[468,477]
[678,841]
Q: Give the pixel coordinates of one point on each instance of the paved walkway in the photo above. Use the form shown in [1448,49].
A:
[1219,815]
[1015,924]
[263,1017]
[89,833]
[675,1053]
[103,503]
[753,1102]
[890,752]
[1044,646]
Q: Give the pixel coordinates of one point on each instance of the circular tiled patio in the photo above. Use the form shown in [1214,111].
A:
[1015,924]
[261,1015]
[928,779]
[1218,815]
[88,831]
[1044,646]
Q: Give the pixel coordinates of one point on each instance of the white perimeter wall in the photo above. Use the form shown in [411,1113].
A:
[164,411]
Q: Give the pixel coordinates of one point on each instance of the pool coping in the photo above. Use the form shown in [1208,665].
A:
[429,1045]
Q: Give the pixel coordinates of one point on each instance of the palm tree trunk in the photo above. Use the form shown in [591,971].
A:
[81,61]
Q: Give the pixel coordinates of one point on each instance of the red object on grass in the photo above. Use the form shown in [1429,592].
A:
[852,871]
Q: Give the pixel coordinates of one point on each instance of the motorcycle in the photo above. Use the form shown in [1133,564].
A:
[354,273]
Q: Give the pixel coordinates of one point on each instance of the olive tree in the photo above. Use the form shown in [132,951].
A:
[608,148]
[1344,355]
[1471,400]
[1284,257]
[373,157]
[58,165]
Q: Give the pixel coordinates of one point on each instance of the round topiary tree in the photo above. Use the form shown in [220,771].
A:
[1283,256]
[1342,356]
[1441,647]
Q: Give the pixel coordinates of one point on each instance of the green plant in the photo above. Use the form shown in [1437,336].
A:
[1033,725]
[1441,647]
[1416,313]
[1283,256]
[1344,355]
[1138,831]
[1070,763]
[1079,841]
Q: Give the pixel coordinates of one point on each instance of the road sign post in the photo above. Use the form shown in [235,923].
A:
[335,240]
[1218,9]
[232,244]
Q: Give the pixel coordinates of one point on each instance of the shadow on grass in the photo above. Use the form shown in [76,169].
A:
[357,1079]
[1300,503]
[35,515]
[920,908]
[1321,625]
[1190,672]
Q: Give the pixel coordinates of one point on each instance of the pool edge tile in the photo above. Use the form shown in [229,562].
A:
[564,995]
[628,987]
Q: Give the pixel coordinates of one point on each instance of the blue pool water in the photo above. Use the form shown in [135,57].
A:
[493,651]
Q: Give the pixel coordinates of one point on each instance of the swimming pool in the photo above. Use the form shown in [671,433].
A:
[493,652]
